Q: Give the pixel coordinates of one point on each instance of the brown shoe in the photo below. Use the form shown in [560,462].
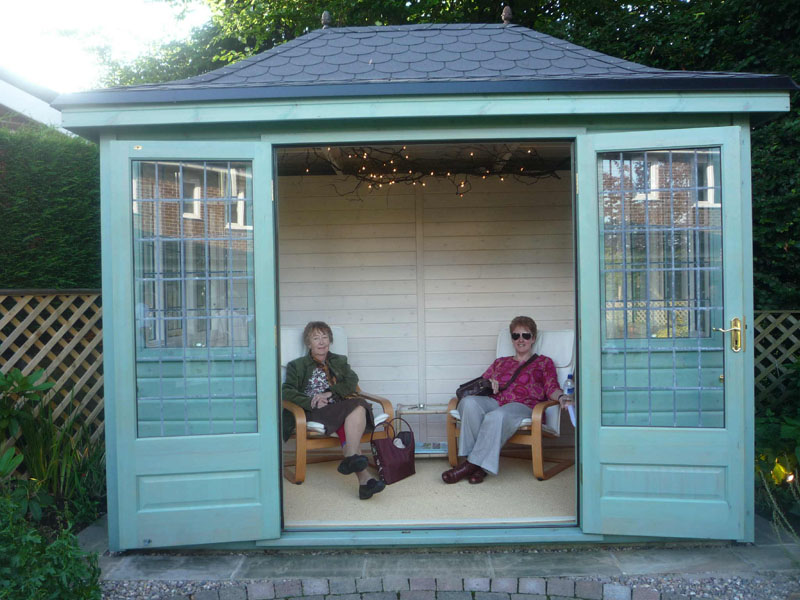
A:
[477,476]
[457,473]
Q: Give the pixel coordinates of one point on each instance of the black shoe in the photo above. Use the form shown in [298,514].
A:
[373,486]
[352,464]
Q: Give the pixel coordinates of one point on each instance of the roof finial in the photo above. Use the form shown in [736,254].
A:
[326,19]
[506,15]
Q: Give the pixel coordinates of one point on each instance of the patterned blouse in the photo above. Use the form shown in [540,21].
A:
[318,383]
[533,385]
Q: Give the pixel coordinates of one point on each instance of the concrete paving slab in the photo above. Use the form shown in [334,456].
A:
[300,566]
[764,532]
[94,538]
[427,565]
[679,561]
[769,558]
[554,564]
[211,567]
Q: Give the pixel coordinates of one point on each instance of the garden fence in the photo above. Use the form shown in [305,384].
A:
[777,344]
[61,332]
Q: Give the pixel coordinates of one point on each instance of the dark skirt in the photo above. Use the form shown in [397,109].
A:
[332,416]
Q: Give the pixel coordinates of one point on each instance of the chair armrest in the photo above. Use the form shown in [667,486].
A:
[538,412]
[386,405]
[298,413]
[452,405]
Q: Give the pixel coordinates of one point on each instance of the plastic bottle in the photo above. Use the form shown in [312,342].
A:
[569,390]
[569,387]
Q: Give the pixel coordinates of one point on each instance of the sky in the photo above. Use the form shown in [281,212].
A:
[49,42]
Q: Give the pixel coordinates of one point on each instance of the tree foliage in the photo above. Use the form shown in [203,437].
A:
[760,36]
[167,62]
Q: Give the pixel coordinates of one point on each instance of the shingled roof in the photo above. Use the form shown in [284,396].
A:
[425,59]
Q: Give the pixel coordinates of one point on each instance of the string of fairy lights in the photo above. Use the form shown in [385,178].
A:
[377,167]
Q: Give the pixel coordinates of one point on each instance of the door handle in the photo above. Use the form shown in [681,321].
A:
[736,334]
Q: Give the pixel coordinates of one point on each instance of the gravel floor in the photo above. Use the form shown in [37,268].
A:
[769,586]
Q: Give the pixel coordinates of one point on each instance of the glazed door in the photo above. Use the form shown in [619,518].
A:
[666,367]
[191,368]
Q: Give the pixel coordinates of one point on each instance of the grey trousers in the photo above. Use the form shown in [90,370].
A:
[485,427]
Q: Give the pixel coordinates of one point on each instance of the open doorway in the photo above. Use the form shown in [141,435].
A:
[422,254]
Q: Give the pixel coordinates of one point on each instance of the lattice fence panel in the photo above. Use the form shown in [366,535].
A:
[60,332]
[777,344]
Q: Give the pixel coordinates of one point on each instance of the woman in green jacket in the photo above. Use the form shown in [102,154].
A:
[324,385]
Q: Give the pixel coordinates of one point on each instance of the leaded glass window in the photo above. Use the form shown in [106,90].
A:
[661,237]
[193,251]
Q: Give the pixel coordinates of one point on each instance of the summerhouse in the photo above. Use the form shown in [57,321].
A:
[417,187]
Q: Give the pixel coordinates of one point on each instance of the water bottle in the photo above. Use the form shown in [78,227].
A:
[569,388]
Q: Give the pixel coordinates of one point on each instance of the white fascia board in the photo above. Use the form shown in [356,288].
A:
[28,105]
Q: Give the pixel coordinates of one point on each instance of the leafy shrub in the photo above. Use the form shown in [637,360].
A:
[777,442]
[50,202]
[18,394]
[35,568]
[65,468]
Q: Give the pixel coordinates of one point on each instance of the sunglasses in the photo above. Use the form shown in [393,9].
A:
[525,336]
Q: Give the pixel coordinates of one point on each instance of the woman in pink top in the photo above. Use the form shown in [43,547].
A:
[488,422]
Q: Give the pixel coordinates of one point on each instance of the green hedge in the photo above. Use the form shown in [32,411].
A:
[49,210]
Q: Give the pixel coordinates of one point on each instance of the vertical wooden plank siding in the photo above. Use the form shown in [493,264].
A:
[502,250]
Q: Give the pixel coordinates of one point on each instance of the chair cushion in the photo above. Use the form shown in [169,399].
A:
[551,415]
[320,428]
[315,427]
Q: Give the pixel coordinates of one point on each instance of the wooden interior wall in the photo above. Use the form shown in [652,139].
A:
[423,279]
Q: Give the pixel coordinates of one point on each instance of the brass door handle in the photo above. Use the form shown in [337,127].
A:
[736,334]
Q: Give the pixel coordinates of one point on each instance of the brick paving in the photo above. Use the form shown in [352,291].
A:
[428,588]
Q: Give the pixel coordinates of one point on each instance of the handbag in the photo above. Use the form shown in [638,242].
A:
[394,455]
[483,387]
[474,387]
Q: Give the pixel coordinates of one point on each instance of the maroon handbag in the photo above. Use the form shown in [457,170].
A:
[394,454]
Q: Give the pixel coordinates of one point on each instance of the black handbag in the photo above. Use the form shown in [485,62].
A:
[474,387]
[394,455]
[483,387]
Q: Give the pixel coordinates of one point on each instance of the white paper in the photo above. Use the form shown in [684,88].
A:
[571,411]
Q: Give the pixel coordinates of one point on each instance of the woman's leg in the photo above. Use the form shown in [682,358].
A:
[497,428]
[354,426]
[473,410]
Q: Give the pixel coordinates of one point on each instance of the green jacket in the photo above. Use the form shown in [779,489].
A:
[299,371]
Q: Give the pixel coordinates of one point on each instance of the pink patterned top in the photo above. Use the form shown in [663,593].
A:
[533,385]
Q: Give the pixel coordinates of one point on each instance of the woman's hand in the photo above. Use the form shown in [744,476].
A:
[320,400]
[564,401]
[495,385]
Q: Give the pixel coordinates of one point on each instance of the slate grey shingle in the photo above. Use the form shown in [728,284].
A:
[424,59]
